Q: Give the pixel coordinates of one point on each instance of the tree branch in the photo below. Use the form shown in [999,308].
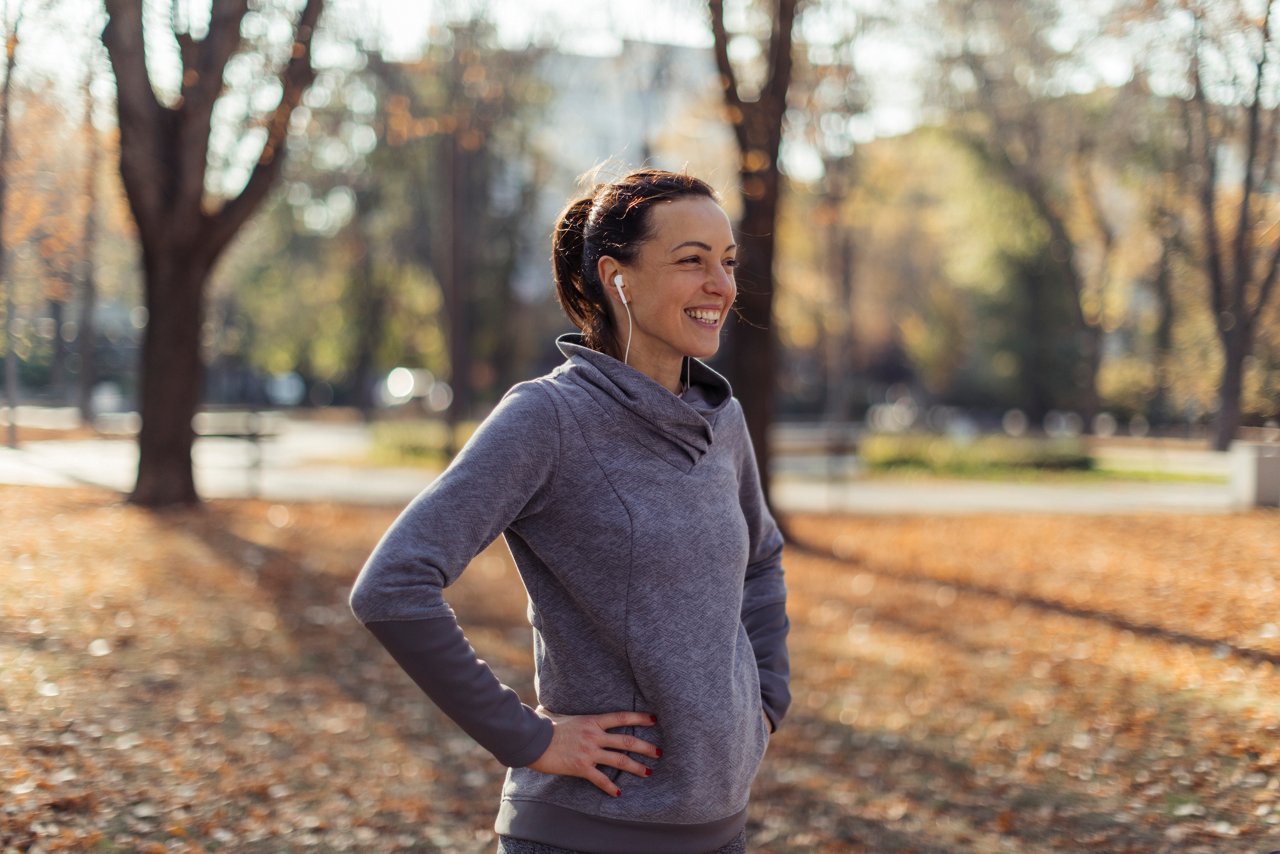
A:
[1267,287]
[728,79]
[295,78]
[780,60]
[1242,256]
[1207,191]
[203,65]
[143,119]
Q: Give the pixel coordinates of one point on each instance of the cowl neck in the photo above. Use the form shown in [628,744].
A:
[652,411]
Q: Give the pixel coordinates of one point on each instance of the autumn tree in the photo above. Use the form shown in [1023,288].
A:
[756,103]
[1013,87]
[164,163]
[1230,125]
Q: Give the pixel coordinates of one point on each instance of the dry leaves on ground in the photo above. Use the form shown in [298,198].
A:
[192,681]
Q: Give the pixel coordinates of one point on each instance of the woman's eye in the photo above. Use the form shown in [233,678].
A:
[693,259]
[731,262]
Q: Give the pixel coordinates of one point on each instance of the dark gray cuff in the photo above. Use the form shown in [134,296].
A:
[767,627]
[437,656]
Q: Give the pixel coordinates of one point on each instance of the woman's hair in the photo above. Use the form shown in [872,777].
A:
[613,220]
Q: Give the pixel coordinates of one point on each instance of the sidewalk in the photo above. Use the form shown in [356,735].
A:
[306,463]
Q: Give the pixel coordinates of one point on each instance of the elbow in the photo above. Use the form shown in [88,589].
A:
[362,601]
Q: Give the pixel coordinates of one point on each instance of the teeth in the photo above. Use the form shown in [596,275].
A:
[705,315]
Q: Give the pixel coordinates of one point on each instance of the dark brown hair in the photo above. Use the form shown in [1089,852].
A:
[613,220]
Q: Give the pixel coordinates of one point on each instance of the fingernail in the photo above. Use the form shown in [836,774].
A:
[653,719]
[648,772]
[659,749]
[617,793]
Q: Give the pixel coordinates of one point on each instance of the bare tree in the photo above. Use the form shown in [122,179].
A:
[164,162]
[1235,118]
[757,119]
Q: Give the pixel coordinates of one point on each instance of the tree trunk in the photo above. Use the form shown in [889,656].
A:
[6,142]
[86,330]
[1158,409]
[58,365]
[1236,344]
[171,381]
[752,342]
[455,291]
[86,341]
[370,306]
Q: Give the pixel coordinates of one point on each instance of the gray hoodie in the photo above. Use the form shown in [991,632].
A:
[655,584]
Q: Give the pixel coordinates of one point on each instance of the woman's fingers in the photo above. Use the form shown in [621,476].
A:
[613,720]
[623,762]
[601,782]
[581,744]
[631,744]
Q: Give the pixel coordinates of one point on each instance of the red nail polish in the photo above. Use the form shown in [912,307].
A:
[659,749]
[648,772]
[617,793]
[653,719]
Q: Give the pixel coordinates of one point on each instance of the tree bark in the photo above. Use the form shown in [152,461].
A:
[752,352]
[1226,421]
[171,382]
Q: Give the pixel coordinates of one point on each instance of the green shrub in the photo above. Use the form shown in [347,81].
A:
[941,455]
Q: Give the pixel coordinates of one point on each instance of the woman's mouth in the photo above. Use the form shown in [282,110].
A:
[708,317]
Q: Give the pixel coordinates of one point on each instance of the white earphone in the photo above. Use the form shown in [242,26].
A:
[617,283]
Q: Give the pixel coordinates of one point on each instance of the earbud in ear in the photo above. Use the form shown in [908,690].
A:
[617,283]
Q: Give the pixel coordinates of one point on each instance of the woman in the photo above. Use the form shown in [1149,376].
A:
[625,486]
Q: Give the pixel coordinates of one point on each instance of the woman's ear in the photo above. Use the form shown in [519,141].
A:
[612,278]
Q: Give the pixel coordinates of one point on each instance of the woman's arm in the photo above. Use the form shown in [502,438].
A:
[506,471]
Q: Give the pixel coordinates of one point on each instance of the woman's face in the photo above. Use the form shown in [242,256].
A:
[680,285]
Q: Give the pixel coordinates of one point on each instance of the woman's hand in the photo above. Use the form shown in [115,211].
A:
[581,742]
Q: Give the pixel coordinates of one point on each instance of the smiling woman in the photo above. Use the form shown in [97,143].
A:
[665,247]
[625,485]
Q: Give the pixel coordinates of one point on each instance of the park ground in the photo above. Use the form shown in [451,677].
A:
[192,680]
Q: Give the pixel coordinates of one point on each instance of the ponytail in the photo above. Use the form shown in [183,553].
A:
[578,288]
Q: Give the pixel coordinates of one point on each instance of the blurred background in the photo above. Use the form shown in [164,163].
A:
[1041,221]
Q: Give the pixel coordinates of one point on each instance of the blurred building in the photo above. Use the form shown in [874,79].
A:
[648,104]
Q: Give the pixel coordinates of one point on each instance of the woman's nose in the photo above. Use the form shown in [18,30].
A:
[721,282]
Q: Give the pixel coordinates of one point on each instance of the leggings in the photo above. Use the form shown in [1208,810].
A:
[511,845]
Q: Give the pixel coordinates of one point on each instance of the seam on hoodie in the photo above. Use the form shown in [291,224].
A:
[631,531]
[555,474]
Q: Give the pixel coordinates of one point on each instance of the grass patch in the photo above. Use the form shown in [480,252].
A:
[1101,474]
[416,443]
[982,457]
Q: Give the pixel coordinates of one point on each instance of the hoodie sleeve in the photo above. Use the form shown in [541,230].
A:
[504,473]
[764,600]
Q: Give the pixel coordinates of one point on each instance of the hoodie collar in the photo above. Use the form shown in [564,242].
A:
[667,423]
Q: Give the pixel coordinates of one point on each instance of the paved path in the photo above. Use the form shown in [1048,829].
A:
[306,463]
